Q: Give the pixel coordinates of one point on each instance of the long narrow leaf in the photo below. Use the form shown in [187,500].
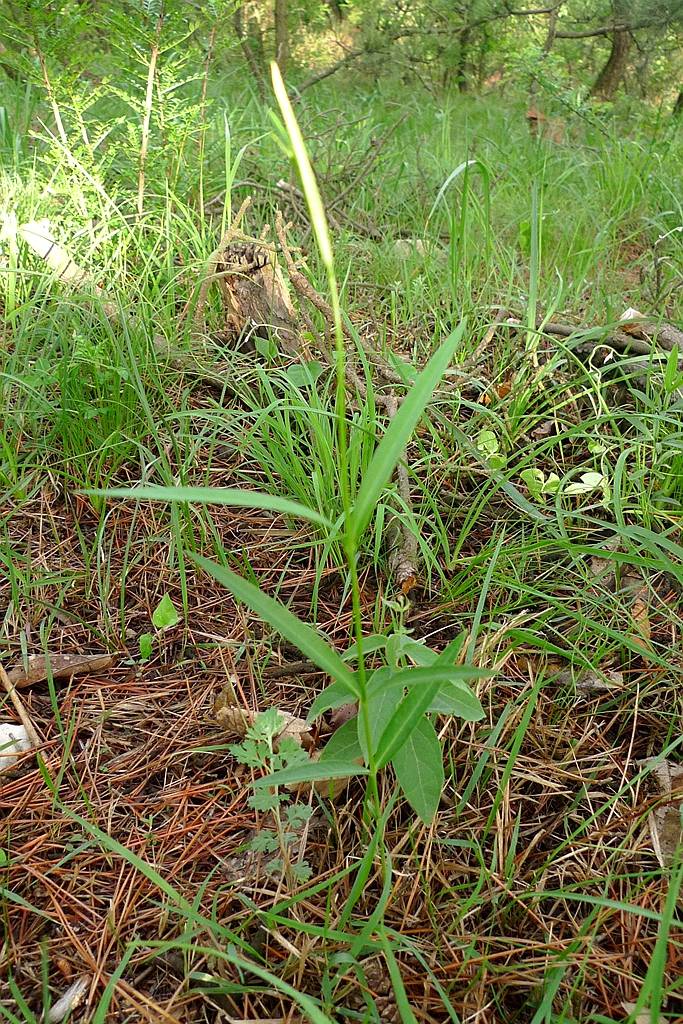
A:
[451,177]
[391,447]
[453,696]
[215,496]
[314,771]
[420,675]
[310,185]
[305,637]
[404,721]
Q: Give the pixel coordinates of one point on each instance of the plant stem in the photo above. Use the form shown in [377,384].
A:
[51,96]
[350,545]
[147,116]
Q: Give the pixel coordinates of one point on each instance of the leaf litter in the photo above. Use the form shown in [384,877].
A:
[142,757]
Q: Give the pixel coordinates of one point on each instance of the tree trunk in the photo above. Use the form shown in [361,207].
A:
[246,48]
[336,9]
[609,79]
[678,105]
[281,35]
[462,65]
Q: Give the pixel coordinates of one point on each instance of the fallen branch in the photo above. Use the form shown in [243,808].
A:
[332,70]
[617,339]
[664,336]
[39,236]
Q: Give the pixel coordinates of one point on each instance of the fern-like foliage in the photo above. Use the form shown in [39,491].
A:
[152,8]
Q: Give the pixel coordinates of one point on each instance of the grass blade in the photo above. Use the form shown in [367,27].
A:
[232,496]
[310,185]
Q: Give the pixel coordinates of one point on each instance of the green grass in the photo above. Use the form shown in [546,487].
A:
[579,232]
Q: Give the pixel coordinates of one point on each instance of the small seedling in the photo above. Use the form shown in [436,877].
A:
[146,646]
[263,749]
[164,617]
[489,445]
[538,484]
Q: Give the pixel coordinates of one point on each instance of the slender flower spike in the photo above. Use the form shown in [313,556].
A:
[310,185]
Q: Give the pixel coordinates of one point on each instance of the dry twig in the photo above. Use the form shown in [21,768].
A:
[24,716]
[618,340]
[401,541]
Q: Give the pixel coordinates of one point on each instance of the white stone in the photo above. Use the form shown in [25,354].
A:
[13,742]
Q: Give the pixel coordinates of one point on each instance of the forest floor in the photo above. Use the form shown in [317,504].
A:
[546,888]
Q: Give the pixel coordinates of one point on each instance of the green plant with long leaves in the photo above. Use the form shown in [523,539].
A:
[395,702]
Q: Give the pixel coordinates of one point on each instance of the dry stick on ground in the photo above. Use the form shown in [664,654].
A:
[664,336]
[24,717]
[618,339]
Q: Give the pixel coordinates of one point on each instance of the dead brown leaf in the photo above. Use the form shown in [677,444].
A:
[590,681]
[665,820]
[342,715]
[61,666]
[235,720]
[638,596]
